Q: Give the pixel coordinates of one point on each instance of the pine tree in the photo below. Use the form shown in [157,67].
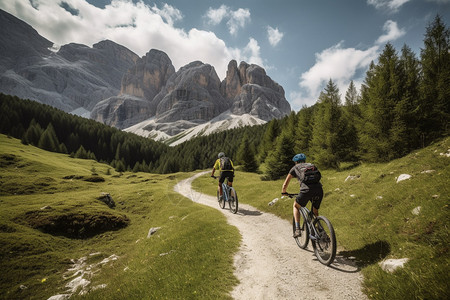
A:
[326,146]
[279,160]
[81,153]
[381,93]
[435,59]
[246,155]
[33,134]
[268,140]
[351,116]
[407,109]
[303,133]
[48,140]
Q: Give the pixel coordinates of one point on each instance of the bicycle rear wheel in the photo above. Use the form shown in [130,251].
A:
[303,239]
[325,243]
[233,201]
[221,202]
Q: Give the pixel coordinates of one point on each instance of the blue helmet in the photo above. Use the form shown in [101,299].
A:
[299,157]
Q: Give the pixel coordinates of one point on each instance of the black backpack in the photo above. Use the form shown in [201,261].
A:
[309,173]
[225,164]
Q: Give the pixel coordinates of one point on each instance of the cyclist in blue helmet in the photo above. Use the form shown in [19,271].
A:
[310,187]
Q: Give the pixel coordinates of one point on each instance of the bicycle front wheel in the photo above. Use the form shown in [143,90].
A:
[233,201]
[325,242]
[221,202]
[303,239]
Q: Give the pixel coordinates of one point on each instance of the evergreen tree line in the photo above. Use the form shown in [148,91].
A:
[54,130]
[403,105]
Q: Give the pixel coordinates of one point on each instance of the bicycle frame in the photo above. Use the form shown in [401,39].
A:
[310,218]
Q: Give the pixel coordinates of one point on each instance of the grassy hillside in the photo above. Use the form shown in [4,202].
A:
[374,219]
[52,225]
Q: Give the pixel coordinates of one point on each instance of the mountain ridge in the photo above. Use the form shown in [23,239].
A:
[111,84]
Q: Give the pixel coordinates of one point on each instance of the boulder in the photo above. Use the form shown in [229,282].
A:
[402,177]
[390,265]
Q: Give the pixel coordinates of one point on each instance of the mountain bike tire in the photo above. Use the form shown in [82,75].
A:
[325,244]
[233,201]
[221,202]
[303,240]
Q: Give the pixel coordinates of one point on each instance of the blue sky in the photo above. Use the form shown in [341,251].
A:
[300,43]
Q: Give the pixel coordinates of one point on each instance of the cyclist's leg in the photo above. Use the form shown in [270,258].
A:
[317,200]
[230,178]
[300,201]
[296,212]
[221,180]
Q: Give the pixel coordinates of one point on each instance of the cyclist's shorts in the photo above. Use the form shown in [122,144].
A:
[226,174]
[315,195]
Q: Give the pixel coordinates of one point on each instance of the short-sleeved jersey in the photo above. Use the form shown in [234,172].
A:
[218,166]
[304,188]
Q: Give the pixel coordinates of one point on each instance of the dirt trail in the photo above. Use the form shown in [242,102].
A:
[269,264]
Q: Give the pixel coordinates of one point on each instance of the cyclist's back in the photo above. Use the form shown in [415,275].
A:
[310,187]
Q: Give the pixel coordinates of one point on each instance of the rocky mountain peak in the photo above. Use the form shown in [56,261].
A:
[147,77]
[192,94]
[20,44]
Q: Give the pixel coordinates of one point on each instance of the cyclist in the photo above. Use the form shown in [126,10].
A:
[226,168]
[310,187]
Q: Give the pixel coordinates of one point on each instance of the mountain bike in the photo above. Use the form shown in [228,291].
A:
[319,230]
[229,195]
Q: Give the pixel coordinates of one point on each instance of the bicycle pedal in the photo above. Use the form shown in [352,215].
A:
[312,237]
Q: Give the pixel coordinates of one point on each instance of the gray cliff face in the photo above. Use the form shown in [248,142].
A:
[20,44]
[121,111]
[77,76]
[261,102]
[253,92]
[104,58]
[192,94]
[146,79]
[140,84]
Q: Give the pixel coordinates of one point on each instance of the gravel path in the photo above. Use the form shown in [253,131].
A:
[270,265]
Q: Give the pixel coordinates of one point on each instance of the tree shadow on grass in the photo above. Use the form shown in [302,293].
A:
[369,254]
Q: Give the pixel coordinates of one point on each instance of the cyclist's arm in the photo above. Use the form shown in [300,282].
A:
[286,183]
[215,167]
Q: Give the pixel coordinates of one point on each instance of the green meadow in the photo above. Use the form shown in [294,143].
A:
[375,218]
[51,221]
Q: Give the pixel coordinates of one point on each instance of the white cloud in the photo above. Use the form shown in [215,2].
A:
[215,16]
[392,32]
[236,18]
[274,35]
[252,53]
[336,63]
[340,65]
[388,5]
[169,13]
[137,26]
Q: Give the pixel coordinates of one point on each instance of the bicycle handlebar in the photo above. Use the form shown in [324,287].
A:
[289,195]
